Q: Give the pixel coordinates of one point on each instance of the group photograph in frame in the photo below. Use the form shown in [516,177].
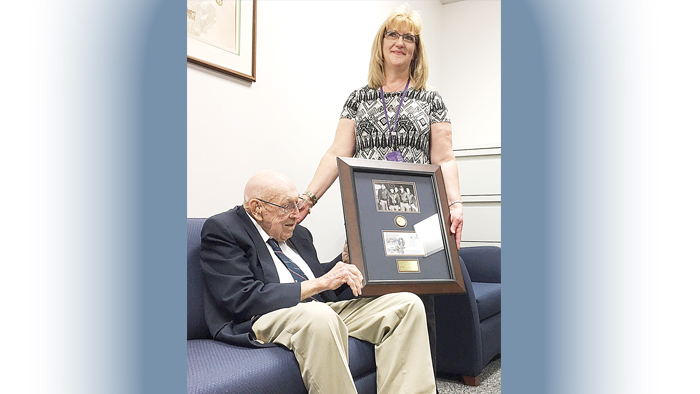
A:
[399,247]
[221,36]
[392,196]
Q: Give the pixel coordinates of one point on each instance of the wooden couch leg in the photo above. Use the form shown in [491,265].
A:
[471,380]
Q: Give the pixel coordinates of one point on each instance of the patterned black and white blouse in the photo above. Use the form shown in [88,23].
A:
[419,111]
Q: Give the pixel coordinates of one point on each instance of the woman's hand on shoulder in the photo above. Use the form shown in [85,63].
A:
[303,213]
[305,210]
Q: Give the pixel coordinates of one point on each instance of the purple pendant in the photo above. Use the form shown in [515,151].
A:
[394,156]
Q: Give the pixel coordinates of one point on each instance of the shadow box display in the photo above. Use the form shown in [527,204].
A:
[397,227]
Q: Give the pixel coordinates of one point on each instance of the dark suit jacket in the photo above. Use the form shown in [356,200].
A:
[241,278]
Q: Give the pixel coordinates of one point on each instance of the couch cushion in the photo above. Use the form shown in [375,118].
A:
[488,299]
[361,355]
[217,367]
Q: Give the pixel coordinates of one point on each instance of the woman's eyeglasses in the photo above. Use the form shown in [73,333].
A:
[394,36]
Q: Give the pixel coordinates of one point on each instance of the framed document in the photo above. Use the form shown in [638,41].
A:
[397,226]
[221,36]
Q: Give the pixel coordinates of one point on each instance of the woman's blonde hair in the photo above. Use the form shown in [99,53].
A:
[401,17]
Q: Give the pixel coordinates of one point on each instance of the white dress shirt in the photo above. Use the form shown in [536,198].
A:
[282,271]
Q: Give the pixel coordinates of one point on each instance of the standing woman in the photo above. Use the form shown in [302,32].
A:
[395,117]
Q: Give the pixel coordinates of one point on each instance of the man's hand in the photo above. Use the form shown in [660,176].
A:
[343,273]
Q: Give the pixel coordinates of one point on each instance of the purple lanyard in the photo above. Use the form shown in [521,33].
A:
[392,130]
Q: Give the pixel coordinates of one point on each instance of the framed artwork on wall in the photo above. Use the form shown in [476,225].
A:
[397,227]
[221,35]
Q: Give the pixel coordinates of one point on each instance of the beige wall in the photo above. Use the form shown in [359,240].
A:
[311,55]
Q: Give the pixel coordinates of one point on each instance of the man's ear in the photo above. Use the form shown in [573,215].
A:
[256,210]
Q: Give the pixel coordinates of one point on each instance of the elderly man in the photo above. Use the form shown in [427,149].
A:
[265,285]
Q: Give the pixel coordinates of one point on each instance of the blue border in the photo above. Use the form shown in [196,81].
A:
[525,150]
[162,136]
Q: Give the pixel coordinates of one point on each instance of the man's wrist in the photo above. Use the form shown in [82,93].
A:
[310,288]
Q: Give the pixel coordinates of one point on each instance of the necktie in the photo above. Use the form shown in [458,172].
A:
[296,272]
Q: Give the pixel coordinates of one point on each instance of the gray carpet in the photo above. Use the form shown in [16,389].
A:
[490,381]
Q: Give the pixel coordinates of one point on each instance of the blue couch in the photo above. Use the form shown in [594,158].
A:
[469,325]
[217,367]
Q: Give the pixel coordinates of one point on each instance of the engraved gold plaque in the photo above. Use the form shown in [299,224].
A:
[408,265]
[400,221]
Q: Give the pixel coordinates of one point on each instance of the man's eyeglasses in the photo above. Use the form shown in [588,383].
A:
[289,208]
[394,36]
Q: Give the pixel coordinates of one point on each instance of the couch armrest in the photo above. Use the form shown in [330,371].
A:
[483,263]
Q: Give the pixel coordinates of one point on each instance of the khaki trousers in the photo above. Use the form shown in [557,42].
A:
[318,333]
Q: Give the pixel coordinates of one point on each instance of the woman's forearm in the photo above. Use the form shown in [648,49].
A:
[325,175]
[451,176]
[441,153]
[327,170]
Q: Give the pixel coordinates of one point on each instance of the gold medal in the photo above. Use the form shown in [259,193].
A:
[400,221]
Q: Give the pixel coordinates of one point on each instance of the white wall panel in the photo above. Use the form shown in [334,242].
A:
[468,244]
[480,177]
[482,222]
[471,77]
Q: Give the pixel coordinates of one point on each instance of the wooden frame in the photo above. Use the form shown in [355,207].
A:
[375,233]
[221,35]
